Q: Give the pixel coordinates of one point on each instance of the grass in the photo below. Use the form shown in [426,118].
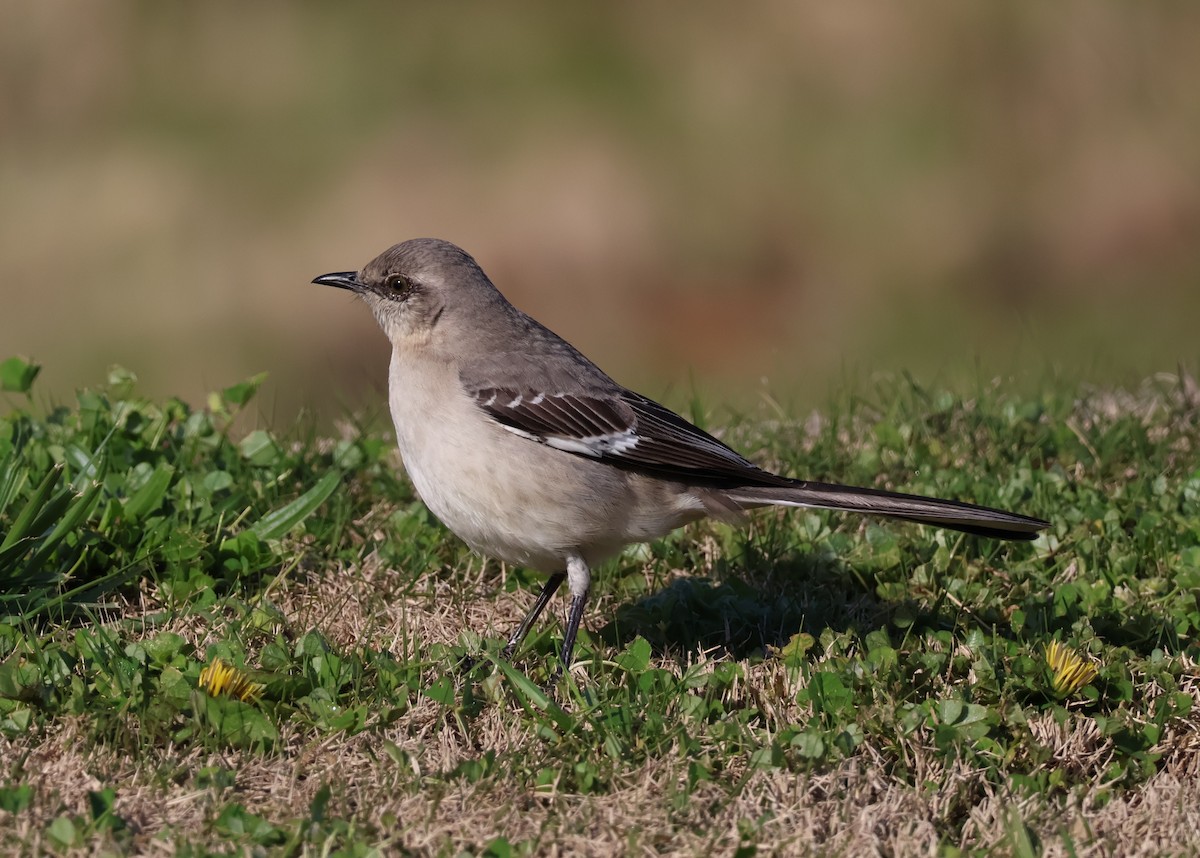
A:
[811,684]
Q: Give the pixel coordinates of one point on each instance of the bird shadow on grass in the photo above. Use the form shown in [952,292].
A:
[745,608]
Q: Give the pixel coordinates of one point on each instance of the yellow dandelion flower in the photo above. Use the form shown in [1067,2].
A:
[223,678]
[1071,671]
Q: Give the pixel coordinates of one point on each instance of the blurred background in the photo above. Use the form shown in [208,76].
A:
[726,199]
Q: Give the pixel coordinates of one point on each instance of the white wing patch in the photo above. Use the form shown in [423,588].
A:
[596,446]
[622,427]
[521,432]
[584,425]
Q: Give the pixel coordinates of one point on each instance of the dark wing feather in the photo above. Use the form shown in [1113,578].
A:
[627,430]
[674,443]
[630,431]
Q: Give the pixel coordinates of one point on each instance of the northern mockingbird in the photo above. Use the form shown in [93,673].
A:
[532,455]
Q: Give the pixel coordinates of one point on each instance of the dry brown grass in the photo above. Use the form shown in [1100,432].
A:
[855,808]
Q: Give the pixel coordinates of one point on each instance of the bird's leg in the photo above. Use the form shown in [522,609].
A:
[574,616]
[548,590]
[580,581]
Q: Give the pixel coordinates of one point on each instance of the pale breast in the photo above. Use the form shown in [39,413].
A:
[512,498]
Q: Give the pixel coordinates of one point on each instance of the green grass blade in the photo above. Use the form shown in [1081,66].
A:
[9,557]
[148,498]
[12,482]
[76,514]
[277,523]
[532,698]
[31,512]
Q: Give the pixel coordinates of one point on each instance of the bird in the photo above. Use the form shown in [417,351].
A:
[532,455]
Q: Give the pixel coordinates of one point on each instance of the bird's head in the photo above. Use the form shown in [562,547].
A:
[416,286]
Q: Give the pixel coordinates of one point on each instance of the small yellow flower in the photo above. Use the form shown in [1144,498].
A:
[1071,671]
[222,678]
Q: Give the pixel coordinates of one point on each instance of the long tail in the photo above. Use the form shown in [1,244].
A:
[969,518]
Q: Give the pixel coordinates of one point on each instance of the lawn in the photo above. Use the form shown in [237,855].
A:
[812,683]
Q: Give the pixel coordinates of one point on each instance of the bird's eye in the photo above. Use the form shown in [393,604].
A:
[399,285]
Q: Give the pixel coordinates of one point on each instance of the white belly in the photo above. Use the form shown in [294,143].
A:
[509,497]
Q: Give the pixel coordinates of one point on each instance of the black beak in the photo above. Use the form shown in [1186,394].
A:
[342,280]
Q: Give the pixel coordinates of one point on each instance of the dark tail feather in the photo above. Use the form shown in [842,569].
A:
[969,518]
